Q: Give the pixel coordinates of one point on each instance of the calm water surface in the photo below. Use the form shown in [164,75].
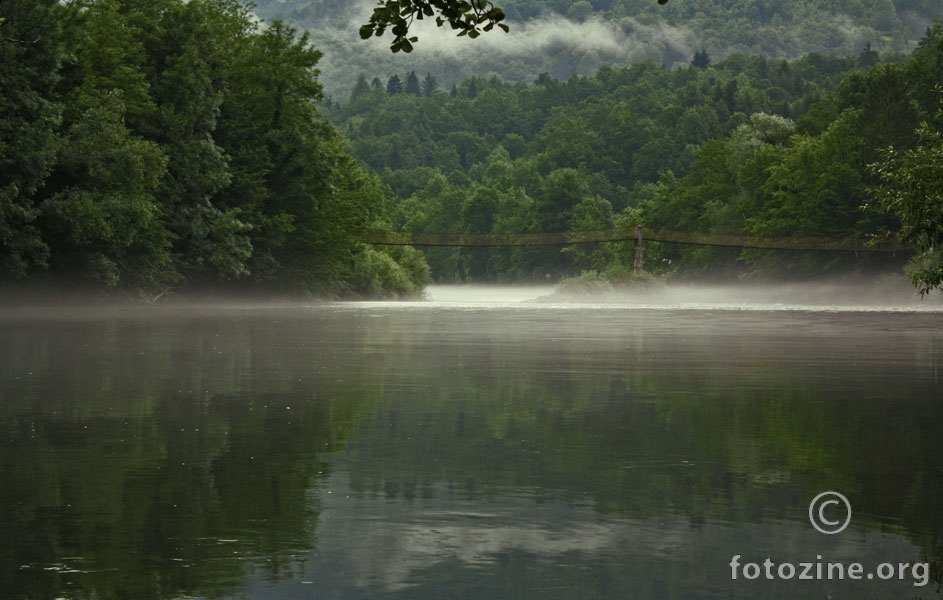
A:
[465,448]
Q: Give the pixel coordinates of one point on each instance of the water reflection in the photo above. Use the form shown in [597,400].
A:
[525,544]
[439,450]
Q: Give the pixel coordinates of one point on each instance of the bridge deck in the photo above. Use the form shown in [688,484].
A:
[620,234]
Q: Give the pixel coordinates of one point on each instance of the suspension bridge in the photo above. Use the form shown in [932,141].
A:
[637,234]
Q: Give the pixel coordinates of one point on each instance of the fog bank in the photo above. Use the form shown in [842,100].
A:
[550,44]
[561,47]
[890,294]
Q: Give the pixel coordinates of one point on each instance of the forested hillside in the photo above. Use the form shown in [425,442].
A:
[156,145]
[568,37]
[150,145]
[746,145]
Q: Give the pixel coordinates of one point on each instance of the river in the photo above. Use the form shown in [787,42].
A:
[478,444]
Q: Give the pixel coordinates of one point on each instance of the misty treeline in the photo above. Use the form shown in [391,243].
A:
[149,145]
[575,37]
[747,145]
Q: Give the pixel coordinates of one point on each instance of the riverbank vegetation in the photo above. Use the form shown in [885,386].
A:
[161,144]
[164,145]
[747,145]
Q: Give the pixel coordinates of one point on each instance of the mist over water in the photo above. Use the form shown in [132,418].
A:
[795,296]
[487,293]
[890,295]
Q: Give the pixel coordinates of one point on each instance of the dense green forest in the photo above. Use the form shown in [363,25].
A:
[154,146]
[147,145]
[745,145]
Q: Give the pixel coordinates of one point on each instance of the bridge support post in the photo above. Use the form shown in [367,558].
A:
[637,268]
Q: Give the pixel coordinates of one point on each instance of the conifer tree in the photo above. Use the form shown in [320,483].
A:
[394,85]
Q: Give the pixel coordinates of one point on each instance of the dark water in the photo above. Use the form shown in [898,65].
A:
[449,450]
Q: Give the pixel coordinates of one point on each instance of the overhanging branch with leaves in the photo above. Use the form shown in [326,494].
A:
[470,18]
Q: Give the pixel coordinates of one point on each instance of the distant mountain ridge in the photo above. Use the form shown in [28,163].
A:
[564,38]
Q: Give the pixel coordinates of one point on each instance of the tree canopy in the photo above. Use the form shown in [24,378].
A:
[912,188]
[155,145]
[741,146]
[150,146]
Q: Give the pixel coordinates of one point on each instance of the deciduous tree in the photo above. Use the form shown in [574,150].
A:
[912,188]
